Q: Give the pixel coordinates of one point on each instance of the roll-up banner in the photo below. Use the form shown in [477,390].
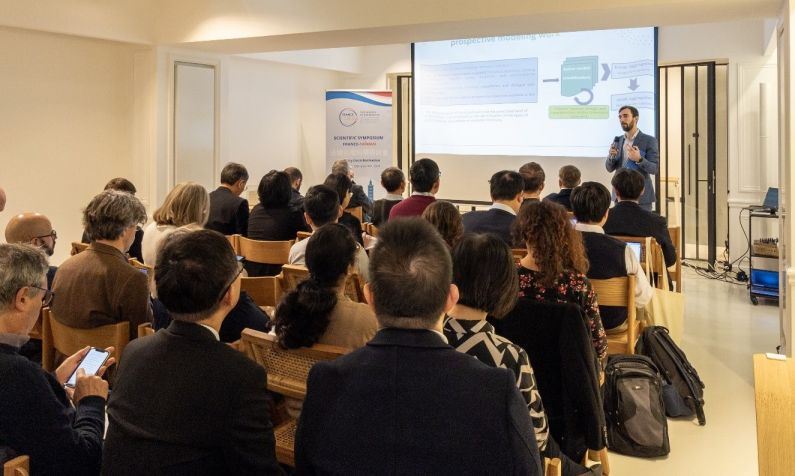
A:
[359,129]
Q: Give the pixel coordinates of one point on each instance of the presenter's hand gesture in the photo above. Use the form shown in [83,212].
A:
[613,150]
[634,154]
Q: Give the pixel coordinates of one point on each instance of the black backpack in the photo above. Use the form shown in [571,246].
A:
[634,409]
[683,390]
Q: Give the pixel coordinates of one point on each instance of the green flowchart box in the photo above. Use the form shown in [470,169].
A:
[578,73]
[579,112]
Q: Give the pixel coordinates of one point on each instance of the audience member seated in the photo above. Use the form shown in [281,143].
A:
[317,311]
[323,207]
[555,265]
[228,210]
[358,197]
[296,179]
[534,177]
[342,185]
[607,256]
[568,178]
[491,290]
[99,286]
[627,218]
[123,185]
[59,427]
[446,218]
[183,402]
[186,205]
[34,229]
[394,182]
[507,191]
[407,396]
[424,176]
[272,219]
[245,314]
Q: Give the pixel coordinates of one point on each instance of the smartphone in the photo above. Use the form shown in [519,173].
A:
[91,363]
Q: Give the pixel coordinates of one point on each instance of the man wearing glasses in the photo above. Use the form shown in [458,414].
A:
[60,429]
[184,402]
[34,229]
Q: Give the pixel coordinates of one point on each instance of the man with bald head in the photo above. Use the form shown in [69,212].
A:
[33,229]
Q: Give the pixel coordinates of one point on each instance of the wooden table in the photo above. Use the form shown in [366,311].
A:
[774,389]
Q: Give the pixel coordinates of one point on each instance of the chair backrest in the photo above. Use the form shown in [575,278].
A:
[518,254]
[138,265]
[264,290]
[354,288]
[302,235]
[559,345]
[78,247]
[145,330]
[619,292]
[19,466]
[265,252]
[357,212]
[234,241]
[68,340]
[287,369]
[371,229]
[292,274]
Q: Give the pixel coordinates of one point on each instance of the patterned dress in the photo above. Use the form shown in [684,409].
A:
[572,288]
[478,339]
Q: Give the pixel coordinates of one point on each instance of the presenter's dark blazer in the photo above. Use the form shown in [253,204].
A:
[497,222]
[629,219]
[185,403]
[650,152]
[563,197]
[228,213]
[408,403]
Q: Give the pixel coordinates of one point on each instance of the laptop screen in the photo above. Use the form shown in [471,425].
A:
[771,198]
[636,248]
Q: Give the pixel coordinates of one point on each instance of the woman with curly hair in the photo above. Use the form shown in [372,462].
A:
[555,265]
[318,311]
[444,216]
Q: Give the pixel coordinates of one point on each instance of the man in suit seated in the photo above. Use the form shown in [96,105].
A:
[184,402]
[359,198]
[393,180]
[424,176]
[228,210]
[568,178]
[507,190]
[296,179]
[637,151]
[322,206]
[60,429]
[534,177]
[34,229]
[408,402]
[628,218]
[608,257]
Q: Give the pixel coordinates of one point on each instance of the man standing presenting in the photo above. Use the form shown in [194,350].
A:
[635,151]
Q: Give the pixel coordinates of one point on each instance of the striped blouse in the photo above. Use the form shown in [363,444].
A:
[478,339]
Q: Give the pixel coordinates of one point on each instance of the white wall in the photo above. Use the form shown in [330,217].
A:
[67,115]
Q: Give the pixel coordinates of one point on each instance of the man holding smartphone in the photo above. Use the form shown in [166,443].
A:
[636,151]
[37,416]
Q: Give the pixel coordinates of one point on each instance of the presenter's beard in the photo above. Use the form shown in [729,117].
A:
[626,127]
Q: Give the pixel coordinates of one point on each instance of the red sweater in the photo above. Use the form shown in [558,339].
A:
[411,207]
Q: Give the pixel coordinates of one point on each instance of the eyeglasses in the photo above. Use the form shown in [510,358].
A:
[48,295]
[241,263]
[51,234]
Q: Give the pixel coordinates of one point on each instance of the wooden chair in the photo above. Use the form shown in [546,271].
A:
[552,467]
[355,211]
[68,340]
[370,229]
[675,233]
[233,240]
[264,252]
[619,292]
[145,330]
[264,290]
[302,235]
[19,466]
[292,274]
[518,254]
[78,247]
[651,258]
[287,373]
[138,265]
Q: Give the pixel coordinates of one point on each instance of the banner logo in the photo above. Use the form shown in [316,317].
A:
[348,117]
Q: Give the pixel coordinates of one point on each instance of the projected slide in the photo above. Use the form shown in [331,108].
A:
[552,94]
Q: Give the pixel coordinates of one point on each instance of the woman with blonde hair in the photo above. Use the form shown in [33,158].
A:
[187,205]
[555,265]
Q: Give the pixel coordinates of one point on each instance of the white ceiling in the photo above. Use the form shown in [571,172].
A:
[252,26]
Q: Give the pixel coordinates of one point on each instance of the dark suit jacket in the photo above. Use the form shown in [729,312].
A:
[185,403]
[498,222]
[408,403]
[296,201]
[228,213]
[563,197]
[649,151]
[628,219]
[273,224]
[360,199]
[37,419]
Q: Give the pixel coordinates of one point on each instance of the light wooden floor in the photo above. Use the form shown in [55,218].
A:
[722,331]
